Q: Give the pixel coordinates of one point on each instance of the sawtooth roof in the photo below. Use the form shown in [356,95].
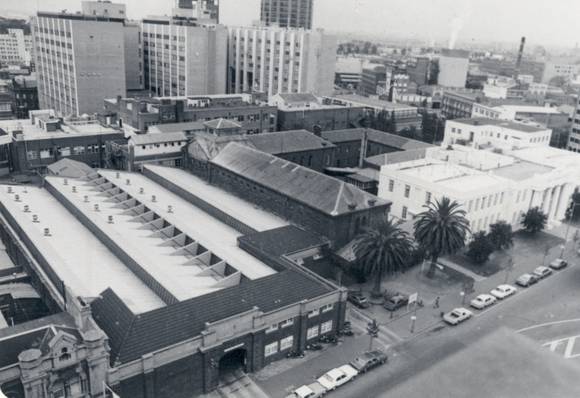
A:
[131,336]
[69,168]
[316,190]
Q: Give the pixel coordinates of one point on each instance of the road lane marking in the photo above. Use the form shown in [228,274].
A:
[547,324]
[568,350]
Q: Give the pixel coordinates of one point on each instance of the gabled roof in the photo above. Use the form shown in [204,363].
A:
[69,168]
[158,138]
[316,190]
[283,240]
[222,123]
[288,141]
[131,336]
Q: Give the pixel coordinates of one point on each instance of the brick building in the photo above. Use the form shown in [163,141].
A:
[140,113]
[24,95]
[306,111]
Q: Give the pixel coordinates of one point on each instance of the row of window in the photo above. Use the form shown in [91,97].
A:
[47,153]
[282,345]
[320,310]
[280,325]
[486,201]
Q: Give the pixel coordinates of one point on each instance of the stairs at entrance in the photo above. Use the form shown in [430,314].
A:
[237,384]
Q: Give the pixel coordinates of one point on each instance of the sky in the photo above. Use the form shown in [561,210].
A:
[553,22]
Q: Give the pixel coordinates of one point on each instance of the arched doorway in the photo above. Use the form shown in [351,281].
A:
[233,361]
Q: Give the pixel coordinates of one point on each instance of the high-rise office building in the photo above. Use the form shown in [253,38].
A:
[184,57]
[15,47]
[207,8]
[287,13]
[83,58]
[276,60]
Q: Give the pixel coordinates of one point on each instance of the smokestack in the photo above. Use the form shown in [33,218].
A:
[519,61]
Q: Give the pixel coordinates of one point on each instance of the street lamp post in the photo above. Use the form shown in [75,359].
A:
[508,269]
[462,294]
[413,319]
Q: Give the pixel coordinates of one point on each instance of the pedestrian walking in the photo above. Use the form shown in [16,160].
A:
[436,303]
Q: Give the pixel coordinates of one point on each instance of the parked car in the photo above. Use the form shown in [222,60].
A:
[396,301]
[337,377]
[358,299]
[526,280]
[313,390]
[457,316]
[369,360]
[541,272]
[558,264]
[503,291]
[482,301]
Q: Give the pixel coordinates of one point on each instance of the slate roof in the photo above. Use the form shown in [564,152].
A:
[381,137]
[15,339]
[316,190]
[69,168]
[287,141]
[283,240]
[131,336]
[157,138]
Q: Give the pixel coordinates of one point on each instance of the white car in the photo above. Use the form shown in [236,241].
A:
[457,316]
[313,390]
[482,301]
[503,291]
[337,377]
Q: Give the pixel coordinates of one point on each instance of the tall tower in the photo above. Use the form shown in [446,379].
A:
[287,13]
[519,60]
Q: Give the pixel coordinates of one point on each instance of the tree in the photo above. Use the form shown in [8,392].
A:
[382,251]
[500,235]
[441,229]
[572,211]
[480,248]
[534,220]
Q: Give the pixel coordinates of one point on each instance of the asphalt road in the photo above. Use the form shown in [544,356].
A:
[548,312]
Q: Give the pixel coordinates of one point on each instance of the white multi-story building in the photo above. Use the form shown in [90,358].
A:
[82,59]
[453,66]
[501,134]
[276,60]
[15,47]
[184,57]
[490,184]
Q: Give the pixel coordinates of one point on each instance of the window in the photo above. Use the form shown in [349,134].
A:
[404,212]
[490,197]
[518,197]
[44,153]
[501,198]
[407,191]
[326,308]
[286,323]
[391,185]
[483,202]
[427,197]
[286,343]
[326,327]
[272,328]
[313,313]
[495,199]
[477,204]
[469,205]
[312,332]
[32,155]
[271,349]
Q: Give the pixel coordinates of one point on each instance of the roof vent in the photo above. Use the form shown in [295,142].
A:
[170,209]
[74,189]
[128,181]
[9,190]
[153,198]
[352,206]
[26,209]
[110,219]
[97,207]
[372,202]
[34,218]
[86,199]
[141,190]
[65,181]
[47,232]
[118,175]
[17,198]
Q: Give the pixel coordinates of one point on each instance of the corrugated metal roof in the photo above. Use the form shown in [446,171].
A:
[319,191]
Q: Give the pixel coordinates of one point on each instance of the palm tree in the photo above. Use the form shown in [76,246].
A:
[441,230]
[383,251]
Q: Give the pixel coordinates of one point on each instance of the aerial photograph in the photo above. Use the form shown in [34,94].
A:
[289,199]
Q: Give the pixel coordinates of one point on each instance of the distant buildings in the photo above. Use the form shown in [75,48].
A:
[81,59]
[453,66]
[184,57]
[275,60]
[565,68]
[306,111]
[287,13]
[456,105]
[15,47]
[24,91]
[348,72]
[419,71]
[574,139]
[373,77]
[138,114]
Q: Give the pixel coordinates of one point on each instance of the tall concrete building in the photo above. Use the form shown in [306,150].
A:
[83,58]
[287,13]
[279,60]
[453,66]
[15,47]
[184,57]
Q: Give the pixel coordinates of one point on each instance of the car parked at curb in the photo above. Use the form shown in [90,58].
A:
[503,291]
[337,377]
[369,360]
[313,390]
[482,301]
[396,301]
[558,264]
[541,272]
[526,280]
[457,316]
[358,300]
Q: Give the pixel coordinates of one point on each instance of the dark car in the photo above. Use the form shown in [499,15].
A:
[396,301]
[369,360]
[358,299]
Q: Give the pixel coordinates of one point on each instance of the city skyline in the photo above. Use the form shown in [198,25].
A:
[445,20]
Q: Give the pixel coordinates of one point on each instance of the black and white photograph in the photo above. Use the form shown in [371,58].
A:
[289,199]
